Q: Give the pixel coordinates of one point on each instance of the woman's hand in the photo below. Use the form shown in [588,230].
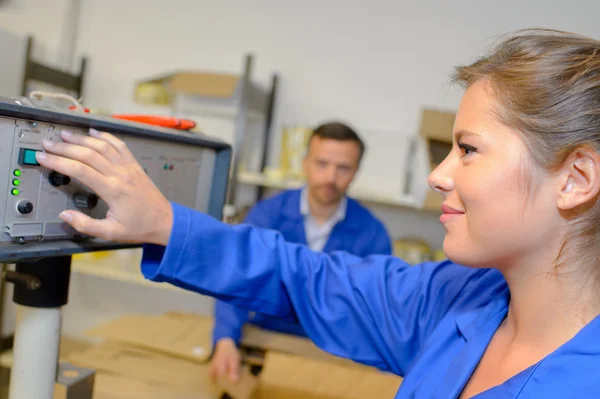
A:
[138,212]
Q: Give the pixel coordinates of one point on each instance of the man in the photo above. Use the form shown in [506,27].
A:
[320,216]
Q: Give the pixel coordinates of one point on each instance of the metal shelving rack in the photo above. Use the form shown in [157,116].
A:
[261,180]
[38,72]
[237,98]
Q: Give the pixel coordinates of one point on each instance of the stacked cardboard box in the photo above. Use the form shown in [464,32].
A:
[167,356]
[294,377]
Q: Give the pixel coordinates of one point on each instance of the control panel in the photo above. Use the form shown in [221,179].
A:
[188,168]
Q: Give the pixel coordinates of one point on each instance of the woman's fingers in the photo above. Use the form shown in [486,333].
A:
[94,227]
[138,211]
[87,175]
[117,144]
[85,155]
[102,147]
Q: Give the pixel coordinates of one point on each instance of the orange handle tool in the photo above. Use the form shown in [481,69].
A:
[156,120]
[164,121]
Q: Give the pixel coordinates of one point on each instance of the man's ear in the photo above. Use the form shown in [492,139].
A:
[579,180]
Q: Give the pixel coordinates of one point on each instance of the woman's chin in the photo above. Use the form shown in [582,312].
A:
[459,253]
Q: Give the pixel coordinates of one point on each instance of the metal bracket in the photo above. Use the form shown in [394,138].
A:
[28,281]
[74,382]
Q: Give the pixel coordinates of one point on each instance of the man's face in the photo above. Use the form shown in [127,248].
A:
[330,166]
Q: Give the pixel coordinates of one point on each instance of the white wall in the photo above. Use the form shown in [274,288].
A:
[46,20]
[374,63]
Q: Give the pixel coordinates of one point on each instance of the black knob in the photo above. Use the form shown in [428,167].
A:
[85,200]
[58,179]
[25,207]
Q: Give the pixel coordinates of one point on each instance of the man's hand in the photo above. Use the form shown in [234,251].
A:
[138,212]
[226,361]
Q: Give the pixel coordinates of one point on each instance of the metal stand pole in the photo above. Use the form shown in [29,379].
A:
[41,289]
[35,353]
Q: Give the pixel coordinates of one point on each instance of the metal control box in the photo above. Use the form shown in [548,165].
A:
[188,168]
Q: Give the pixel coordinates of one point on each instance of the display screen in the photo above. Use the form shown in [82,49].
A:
[27,157]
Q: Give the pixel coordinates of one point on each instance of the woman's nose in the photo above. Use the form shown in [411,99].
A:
[440,179]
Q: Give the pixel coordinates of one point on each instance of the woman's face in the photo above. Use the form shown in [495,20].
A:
[489,217]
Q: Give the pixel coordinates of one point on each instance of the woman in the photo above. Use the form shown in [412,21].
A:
[521,212]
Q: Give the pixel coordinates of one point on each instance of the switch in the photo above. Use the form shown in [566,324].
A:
[58,179]
[85,200]
[27,157]
[24,207]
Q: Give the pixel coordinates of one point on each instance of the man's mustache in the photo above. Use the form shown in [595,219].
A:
[329,186]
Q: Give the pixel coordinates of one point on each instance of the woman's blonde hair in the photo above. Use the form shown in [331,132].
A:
[548,85]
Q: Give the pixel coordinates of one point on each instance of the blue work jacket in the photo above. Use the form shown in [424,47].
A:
[429,323]
[359,233]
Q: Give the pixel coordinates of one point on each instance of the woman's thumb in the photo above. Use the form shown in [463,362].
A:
[87,225]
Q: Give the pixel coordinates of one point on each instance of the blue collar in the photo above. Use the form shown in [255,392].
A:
[291,210]
[338,215]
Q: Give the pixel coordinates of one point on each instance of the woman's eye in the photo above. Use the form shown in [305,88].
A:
[466,149]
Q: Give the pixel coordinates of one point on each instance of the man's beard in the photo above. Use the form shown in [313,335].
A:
[327,194]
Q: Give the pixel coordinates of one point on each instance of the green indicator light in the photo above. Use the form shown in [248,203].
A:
[166,167]
[16,182]
[14,191]
[17,172]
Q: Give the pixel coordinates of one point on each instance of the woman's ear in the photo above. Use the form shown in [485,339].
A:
[579,179]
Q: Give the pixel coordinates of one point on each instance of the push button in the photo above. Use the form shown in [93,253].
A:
[85,200]
[58,179]
[25,207]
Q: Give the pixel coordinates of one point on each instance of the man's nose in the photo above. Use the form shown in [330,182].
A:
[330,174]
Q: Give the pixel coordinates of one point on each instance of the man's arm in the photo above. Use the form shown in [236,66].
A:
[382,243]
[229,319]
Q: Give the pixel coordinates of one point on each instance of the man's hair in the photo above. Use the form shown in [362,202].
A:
[338,131]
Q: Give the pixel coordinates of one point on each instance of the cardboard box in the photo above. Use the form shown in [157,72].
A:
[123,372]
[254,337]
[146,371]
[436,129]
[115,386]
[437,124]
[154,350]
[287,376]
[161,90]
[187,338]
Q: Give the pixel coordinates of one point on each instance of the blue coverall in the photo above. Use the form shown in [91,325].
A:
[359,233]
[430,323]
